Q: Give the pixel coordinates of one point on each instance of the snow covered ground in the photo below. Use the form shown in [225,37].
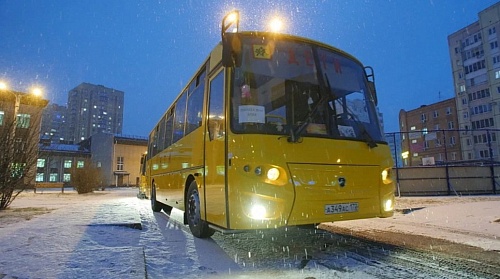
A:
[471,220]
[112,234]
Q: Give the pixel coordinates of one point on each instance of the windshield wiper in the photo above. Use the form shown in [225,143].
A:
[295,133]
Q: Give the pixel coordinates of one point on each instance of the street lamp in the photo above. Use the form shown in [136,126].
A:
[37,91]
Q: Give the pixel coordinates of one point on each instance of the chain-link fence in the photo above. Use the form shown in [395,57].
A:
[446,162]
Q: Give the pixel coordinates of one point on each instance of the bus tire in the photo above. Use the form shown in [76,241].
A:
[155,205]
[199,228]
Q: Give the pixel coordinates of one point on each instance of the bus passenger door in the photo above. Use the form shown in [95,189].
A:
[215,150]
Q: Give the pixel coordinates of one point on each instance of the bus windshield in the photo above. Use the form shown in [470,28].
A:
[296,89]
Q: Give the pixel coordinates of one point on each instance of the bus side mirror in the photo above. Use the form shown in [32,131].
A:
[231,50]
[373,91]
[370,76]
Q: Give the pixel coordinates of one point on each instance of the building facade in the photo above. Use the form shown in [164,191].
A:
[54,123]
[55,161]
[475,61]
[118,157]
[93,109]
[394,141]
[20,120]
[429,134]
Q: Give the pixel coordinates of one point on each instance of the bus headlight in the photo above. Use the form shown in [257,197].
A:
[273,174]
[257,211]
[386,176]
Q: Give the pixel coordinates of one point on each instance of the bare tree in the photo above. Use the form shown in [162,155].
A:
[19,139]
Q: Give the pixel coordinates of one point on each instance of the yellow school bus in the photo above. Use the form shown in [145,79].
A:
[273,130]
[143,189]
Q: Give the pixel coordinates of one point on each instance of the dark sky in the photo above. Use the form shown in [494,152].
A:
[150,49]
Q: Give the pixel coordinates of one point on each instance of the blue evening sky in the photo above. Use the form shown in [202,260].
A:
[150,49]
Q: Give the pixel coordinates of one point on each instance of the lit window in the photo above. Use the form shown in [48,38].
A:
[66,177]
[53,177]
[23,120]
[67,164]
[39,177]
[40,163]
[80,164]
[1,117]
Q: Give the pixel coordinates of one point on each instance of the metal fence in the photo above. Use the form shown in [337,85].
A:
[446,162]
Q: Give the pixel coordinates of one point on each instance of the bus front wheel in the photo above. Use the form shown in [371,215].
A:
[198,227]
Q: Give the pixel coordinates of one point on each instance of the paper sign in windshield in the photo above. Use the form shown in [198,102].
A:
[252,114]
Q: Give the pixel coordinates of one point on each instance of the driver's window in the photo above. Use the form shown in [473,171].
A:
[216,129]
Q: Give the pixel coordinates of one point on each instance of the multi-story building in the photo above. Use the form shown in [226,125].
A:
[118,157]
[475,61]
[55,161]
[93,109]
[394,141]
[20,118]
[429,134]
[54,123]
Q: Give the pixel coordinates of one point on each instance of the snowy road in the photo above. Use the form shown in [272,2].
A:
[115,235]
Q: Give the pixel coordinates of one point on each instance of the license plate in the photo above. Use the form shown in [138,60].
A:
[341,208]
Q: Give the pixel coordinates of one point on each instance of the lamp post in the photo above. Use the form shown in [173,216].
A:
[18,96]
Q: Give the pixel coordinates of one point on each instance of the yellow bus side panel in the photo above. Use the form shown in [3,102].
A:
[173,167]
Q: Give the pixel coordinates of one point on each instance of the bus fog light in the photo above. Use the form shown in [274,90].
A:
[388,205]
[257,212]
[273,174]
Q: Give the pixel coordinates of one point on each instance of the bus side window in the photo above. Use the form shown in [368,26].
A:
[195,105]
[179,117]
[216,127]
[169,125]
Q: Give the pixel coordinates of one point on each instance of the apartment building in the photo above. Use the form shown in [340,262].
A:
[54,123]
[93,109]
[475,61]
[429,134]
